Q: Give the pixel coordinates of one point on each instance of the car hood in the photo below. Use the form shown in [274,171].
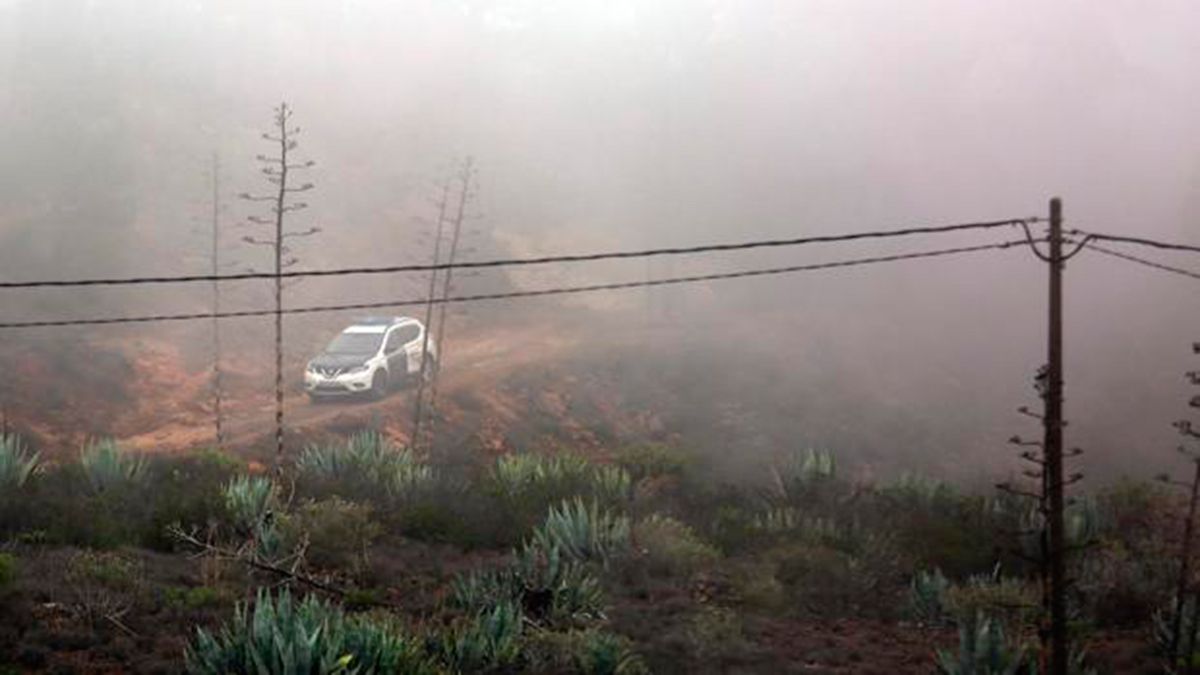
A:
[339,361]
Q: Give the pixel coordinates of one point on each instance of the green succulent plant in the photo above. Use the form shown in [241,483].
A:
[583,532]
[490,641]
[17,464]
[600,653]
[927,596]
[983,649]
[283,636]
[550,591]
[253,504]
[366,460]
[109,468]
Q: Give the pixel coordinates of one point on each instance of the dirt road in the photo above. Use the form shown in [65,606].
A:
[476,362]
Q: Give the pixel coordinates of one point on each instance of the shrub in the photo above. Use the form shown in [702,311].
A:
[8,571]
[284,637]
[1186,652]
[960,535]
[584,532]
[188,492]
[108,468]
[1010,601]
[549,590]
[984,650]
[1120,587]
[671,548]
[104,585]
[714,633]
[17,464]
[651,460]
[588,652]
[824,579]
[338,532]
[199,597]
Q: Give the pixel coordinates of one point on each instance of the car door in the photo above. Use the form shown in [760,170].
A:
[403,360]
[393,351]
[414,342]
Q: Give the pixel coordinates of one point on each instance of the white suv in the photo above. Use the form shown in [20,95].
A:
[370,357]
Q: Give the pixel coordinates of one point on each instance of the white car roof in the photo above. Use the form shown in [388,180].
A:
[376,326]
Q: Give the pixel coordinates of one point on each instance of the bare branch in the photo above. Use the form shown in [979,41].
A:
[307,233]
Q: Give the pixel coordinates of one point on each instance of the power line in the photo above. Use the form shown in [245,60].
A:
[1142,261]
[568,290]
[516,262]
[1140,241]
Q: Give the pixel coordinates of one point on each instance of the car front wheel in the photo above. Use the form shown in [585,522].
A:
[379,385]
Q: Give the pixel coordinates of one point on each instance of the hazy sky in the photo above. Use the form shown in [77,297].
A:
[622,123]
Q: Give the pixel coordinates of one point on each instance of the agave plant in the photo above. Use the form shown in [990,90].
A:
[583,532]
[778,520]
[799,475]
[984,650]
[282,636]
[927,596]
[108,468]
[550,590]
[252,503]
[920,490]
[611,484]
[251,500]
[408,476]
[1083,522]
[489,642]
[516,475]
[366,459]
[17,464]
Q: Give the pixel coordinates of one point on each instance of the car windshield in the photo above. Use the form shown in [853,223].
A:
[355,343]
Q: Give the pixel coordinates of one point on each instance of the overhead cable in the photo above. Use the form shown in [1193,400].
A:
[567,290]
[1142,261]
[518,262]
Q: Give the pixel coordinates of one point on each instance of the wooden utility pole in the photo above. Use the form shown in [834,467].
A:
[1053,444]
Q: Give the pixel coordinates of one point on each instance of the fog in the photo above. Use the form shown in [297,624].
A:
[620,124]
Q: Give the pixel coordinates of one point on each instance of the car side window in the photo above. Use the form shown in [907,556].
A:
[406,334]
[394,341]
